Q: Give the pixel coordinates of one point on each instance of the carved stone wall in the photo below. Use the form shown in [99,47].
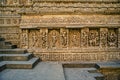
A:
[63,29]
[71,38]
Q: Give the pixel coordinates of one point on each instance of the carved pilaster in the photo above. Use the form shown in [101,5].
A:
[43,38]
[84,37]
[103,37]
[118,37]
[24,38]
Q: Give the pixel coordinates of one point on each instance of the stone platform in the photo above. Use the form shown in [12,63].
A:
[56,71]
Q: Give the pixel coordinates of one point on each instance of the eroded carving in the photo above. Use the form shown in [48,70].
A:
[24,39]
[74,38]
[33,38]
[54,39]
[44,39]
[84,37]
[112,38]
[93,38]
[103,37]
[64,38]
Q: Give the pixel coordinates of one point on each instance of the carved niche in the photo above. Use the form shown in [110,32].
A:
[93,37]
[84,37]
[64,37]
[74,38]
[103,37]
[54,38]
[33,38]
[112,38]
[43,38]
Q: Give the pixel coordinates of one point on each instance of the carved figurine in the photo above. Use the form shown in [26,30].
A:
[93,38]
[64,38]
[54,39]
[44,39]
[103,39]
[112,39]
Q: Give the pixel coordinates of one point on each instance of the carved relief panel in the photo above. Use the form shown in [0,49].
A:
[64,37]
[74,38]
[84,37]
[54,38]
[33,38]
[43,38]
[93,37]
[1,21]
[103,37]
[24,39]
[112,38]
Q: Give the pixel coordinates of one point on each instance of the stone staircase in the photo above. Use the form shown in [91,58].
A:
[15,58]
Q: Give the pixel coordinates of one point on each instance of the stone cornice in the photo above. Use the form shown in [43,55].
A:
[108,1]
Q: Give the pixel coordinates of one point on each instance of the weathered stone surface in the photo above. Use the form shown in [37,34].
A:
[63,29]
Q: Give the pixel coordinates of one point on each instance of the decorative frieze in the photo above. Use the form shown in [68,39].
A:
[65,20]
[108,56]
[69,38]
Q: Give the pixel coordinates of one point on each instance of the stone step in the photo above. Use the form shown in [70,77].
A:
[8,43]
[13,51]
[2,66]
[1,58]
[2,39]
[22,64]
[98,76]
[8,47]
[16,57]
[109,65]
[3,43]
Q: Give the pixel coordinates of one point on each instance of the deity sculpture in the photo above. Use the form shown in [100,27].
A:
[112,39]
[64,38]
[103,39]
[74,40]
[44,39]
[93,38]
[54,39]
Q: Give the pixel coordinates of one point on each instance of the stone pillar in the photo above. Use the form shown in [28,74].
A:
[24,39]
[44,38]
[118,37]
[84,37]
[103,37]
